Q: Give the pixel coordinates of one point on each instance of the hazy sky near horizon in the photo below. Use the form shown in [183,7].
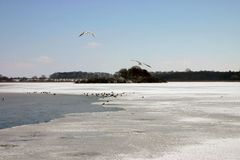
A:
[41,37]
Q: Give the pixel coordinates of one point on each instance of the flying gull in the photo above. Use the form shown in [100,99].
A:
[141,63]
[87,32]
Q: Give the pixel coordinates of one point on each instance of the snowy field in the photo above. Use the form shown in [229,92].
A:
[166,121]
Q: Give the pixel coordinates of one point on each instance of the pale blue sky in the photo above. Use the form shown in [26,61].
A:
[41,36]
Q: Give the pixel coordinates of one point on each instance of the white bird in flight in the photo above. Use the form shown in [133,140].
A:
[141,63]
[87,32]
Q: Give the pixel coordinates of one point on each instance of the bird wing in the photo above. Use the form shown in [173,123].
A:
[81,34]
[90,33]
[87,32]
[147,65]
[139,63]
[93,35]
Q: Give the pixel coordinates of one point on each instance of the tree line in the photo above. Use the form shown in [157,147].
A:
[134,74]
[79,75]
[198,76]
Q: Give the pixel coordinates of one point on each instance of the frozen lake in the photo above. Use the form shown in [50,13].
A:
[165,121]
[146,88]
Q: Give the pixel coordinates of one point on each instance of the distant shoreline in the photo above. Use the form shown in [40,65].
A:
[116,83]
[134,74]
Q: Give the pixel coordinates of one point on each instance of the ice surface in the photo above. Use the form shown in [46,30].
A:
[167,121]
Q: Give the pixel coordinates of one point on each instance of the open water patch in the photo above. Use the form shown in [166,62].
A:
[20,109]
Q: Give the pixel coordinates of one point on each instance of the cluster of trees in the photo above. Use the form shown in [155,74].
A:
[42,78]
[134,74]
[79,75]
[137,75]
[4,78]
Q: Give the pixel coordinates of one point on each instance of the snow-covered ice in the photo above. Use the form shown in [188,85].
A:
[166,121]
